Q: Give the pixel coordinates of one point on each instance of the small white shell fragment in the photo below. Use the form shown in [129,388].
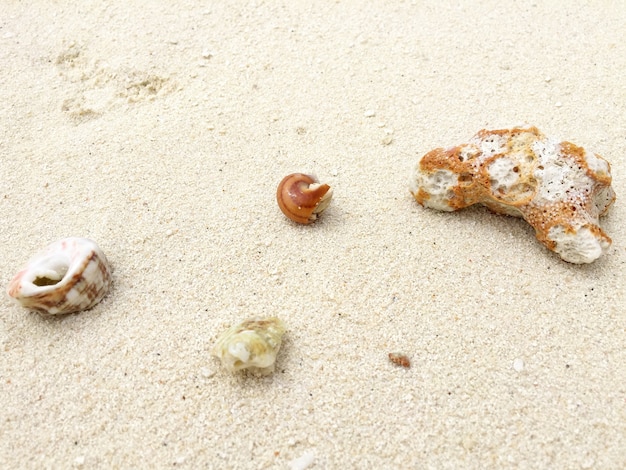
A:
[303,462]
[252,344]
[518,364]
[386,140]
[68,276]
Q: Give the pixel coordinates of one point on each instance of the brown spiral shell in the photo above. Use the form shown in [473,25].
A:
[301,198]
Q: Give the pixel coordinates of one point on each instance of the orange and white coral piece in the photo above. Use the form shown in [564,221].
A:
[560,189]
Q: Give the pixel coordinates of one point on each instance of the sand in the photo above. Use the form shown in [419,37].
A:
[161,129]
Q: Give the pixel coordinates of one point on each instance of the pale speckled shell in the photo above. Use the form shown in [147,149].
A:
[68,276]
[252,344]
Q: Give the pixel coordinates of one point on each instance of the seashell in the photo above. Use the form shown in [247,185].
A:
[400,359]
[68,276]
[252,344]
[301,198]
[560,189]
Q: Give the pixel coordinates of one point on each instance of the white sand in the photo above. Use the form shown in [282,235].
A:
[162,131]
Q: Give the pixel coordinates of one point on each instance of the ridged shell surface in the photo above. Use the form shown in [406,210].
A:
[68,276]
[252,344]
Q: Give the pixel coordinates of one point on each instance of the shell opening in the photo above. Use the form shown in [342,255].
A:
[42,281]
[324,202]
[51,272]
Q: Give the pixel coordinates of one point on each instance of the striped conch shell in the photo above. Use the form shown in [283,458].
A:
[68,276]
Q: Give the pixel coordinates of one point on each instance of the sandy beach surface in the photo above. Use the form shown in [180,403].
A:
[161,130]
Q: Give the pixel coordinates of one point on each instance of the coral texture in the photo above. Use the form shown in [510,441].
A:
[560,189]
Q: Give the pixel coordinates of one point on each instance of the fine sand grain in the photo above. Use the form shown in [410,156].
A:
[161,130]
